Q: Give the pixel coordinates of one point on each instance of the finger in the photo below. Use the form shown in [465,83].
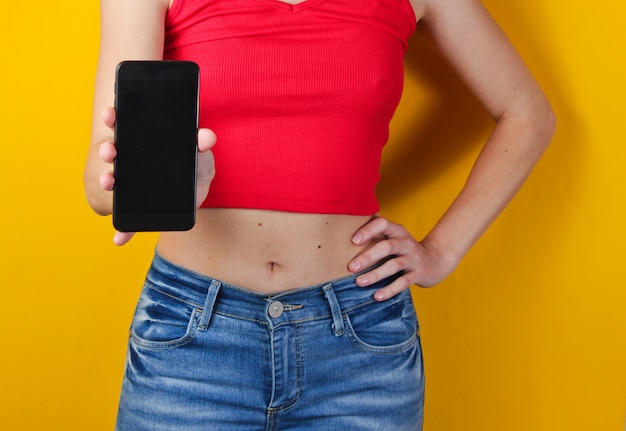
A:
[365,232]
[377,227]
[206,140]
[389,268]
[121,238]
[206,161]
[108,117]
[107,181]
[383,249]
[399,285]
[107,151]
[372,255]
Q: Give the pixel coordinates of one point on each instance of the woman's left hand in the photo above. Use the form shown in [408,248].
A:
[419,263]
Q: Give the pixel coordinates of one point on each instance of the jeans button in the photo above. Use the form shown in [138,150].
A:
[276,309]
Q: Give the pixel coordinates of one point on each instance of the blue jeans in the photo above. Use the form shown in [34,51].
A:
[206,355]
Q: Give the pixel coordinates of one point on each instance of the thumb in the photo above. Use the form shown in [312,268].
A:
[206,140]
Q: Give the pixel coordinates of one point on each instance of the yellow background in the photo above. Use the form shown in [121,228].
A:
[528,334]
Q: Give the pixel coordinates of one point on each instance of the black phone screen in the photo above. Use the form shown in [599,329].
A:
[156,139]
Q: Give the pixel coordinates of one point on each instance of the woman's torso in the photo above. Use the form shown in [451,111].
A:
[265,251]
[300,99]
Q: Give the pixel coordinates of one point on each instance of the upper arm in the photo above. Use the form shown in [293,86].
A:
[473,43]
[129,30]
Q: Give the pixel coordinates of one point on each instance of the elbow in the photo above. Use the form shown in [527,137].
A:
[544,124]
[547,122]
[540,125]
[538,122]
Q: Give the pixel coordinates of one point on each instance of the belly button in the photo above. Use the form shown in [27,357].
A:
[272,266]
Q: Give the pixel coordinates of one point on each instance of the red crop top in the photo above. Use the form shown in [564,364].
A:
[300,96]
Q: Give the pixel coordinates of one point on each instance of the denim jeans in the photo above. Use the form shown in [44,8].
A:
[206,355]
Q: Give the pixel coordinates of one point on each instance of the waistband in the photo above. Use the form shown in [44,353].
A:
[324,300]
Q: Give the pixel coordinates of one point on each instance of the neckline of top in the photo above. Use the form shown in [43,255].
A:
[297,7]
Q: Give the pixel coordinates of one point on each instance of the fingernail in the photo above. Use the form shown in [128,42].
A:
[379,296]
[357,239]
[363,280]
[356,266]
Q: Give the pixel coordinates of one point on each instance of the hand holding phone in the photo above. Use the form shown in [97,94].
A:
[206,166]
[156,142]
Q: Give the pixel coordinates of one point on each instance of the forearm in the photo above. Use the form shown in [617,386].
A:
[509,155]
[130,30]
[479,51]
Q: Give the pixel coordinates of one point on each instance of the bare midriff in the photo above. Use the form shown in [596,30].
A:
[265,251]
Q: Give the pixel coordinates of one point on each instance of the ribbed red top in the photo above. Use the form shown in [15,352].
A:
[300,96]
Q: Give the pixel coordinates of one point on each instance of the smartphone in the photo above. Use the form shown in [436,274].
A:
[157,145]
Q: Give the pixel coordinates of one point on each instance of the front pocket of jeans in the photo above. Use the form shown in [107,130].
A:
[383,327]
[162,321]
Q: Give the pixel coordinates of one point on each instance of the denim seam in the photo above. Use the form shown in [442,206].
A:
[236,316]
[386,350]
[299,376]
[151,286]
[165,345]
[209,305]
[335,310]
[308,319]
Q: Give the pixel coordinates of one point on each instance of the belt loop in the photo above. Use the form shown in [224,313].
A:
[335,310]
[209,302]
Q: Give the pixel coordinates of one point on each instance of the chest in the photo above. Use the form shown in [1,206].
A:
[317,54]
